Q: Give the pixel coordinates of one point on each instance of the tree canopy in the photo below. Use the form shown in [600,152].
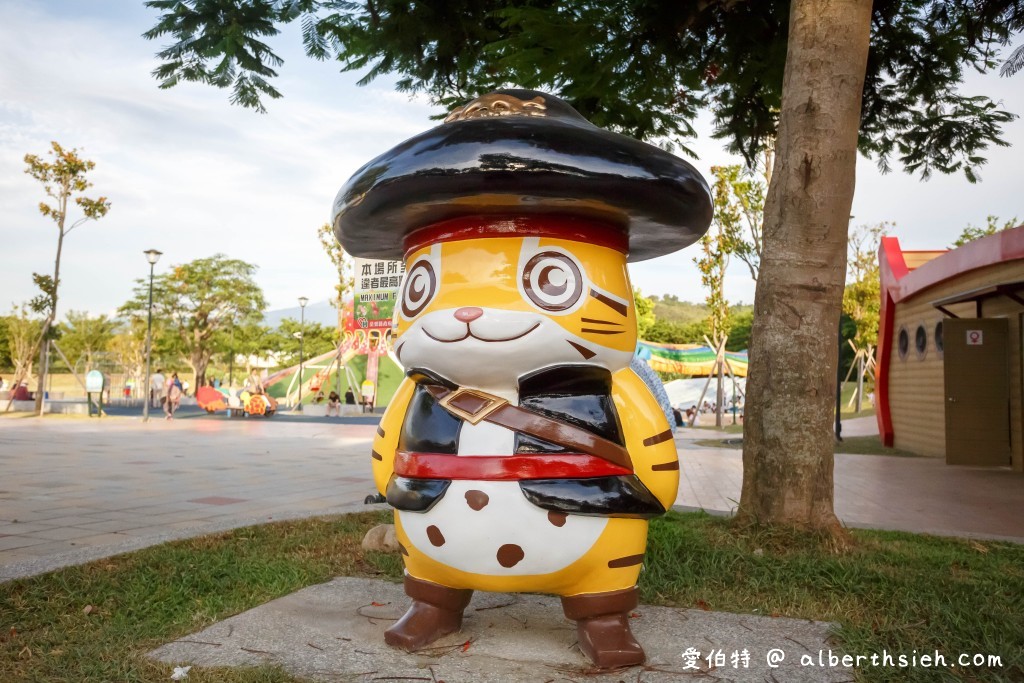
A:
[198,302]
[639,66]
[992,226]
[862,297]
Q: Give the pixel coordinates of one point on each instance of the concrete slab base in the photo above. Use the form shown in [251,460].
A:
[334,632]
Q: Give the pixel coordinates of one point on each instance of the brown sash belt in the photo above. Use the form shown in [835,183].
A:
[475,406]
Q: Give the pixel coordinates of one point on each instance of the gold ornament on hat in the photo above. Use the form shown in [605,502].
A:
[498,105]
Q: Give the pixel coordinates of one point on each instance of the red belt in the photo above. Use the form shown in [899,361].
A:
[504,467]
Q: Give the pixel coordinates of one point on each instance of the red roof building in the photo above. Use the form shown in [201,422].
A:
[949,378]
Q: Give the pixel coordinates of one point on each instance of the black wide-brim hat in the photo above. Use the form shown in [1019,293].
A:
[519,153]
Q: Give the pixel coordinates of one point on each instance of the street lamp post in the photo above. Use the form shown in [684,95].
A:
[152,255]
[302,338]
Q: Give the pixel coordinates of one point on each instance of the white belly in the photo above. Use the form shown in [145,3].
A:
[490,528]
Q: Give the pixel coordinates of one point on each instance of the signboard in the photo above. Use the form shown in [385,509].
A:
[377,286]
[975,338]
[366,389]
[94,382]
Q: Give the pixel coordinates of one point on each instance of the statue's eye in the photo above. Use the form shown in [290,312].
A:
[420,285]
[553,281]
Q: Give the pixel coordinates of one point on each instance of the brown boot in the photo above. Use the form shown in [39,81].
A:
[602,627]
[436,611]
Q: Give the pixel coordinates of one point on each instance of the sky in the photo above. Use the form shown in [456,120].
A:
[191,175]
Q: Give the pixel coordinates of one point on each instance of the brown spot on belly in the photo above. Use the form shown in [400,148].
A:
[509,555]
[557,518]
[435,536]
[477,499]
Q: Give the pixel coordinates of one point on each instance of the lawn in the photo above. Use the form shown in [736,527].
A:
[887,591]
[854,445]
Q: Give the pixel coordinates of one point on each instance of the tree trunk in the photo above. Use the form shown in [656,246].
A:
[788,441]
[44,347]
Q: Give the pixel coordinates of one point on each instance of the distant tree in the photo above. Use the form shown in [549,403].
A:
[971,232]
[63,177]
[862,296]
[740,326]
[24,330]
[739,212]
[128,345]
[319,339]
[343,264]
[671,309]
[83,336]
[249,340]
[5,352]
[670,332]
[644,313]
[717,245]
[197,302]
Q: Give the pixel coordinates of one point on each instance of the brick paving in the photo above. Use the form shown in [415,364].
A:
[72,490]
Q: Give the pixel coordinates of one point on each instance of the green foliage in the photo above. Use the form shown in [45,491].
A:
[717,246]
[644,313]
[644,68]
[46,301]
[63,177]
[248,338]
[23,331]
[992,226]
[342,263]
[682,322]
[317,339]
[739,329]
[83,336]
[668,307]
[739,213]
[196,303]
[128,346]
[670,332]
[862,298]
[5,351]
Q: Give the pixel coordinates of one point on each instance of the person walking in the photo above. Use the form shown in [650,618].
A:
[157,390]
[173,395]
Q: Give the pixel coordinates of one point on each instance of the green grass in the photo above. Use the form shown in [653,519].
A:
[853,445]
[708,422]
[146,598]
[890,591]
[848,411]
[887,591]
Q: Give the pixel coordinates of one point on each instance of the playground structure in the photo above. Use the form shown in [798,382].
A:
[708,360]
[372,343]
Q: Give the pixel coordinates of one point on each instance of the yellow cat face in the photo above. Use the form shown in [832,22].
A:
[484,312]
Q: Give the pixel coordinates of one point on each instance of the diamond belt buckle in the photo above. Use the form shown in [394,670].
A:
[488,404]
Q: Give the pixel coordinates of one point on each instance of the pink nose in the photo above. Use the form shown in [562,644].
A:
[468,314]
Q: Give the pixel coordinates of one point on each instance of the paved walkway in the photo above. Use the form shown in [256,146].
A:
[75,489]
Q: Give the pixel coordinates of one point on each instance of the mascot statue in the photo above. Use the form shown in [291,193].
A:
[521,453]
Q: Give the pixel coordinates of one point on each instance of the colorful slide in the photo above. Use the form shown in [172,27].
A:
[688,359]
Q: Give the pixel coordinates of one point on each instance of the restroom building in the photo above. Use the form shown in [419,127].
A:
[949,361]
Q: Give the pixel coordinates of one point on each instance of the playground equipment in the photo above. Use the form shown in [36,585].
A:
[372,343]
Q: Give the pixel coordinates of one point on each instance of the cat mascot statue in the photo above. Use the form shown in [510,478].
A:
[521,453]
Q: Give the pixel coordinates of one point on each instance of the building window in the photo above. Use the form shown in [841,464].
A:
[921,341]
[903,343]
[938,336]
